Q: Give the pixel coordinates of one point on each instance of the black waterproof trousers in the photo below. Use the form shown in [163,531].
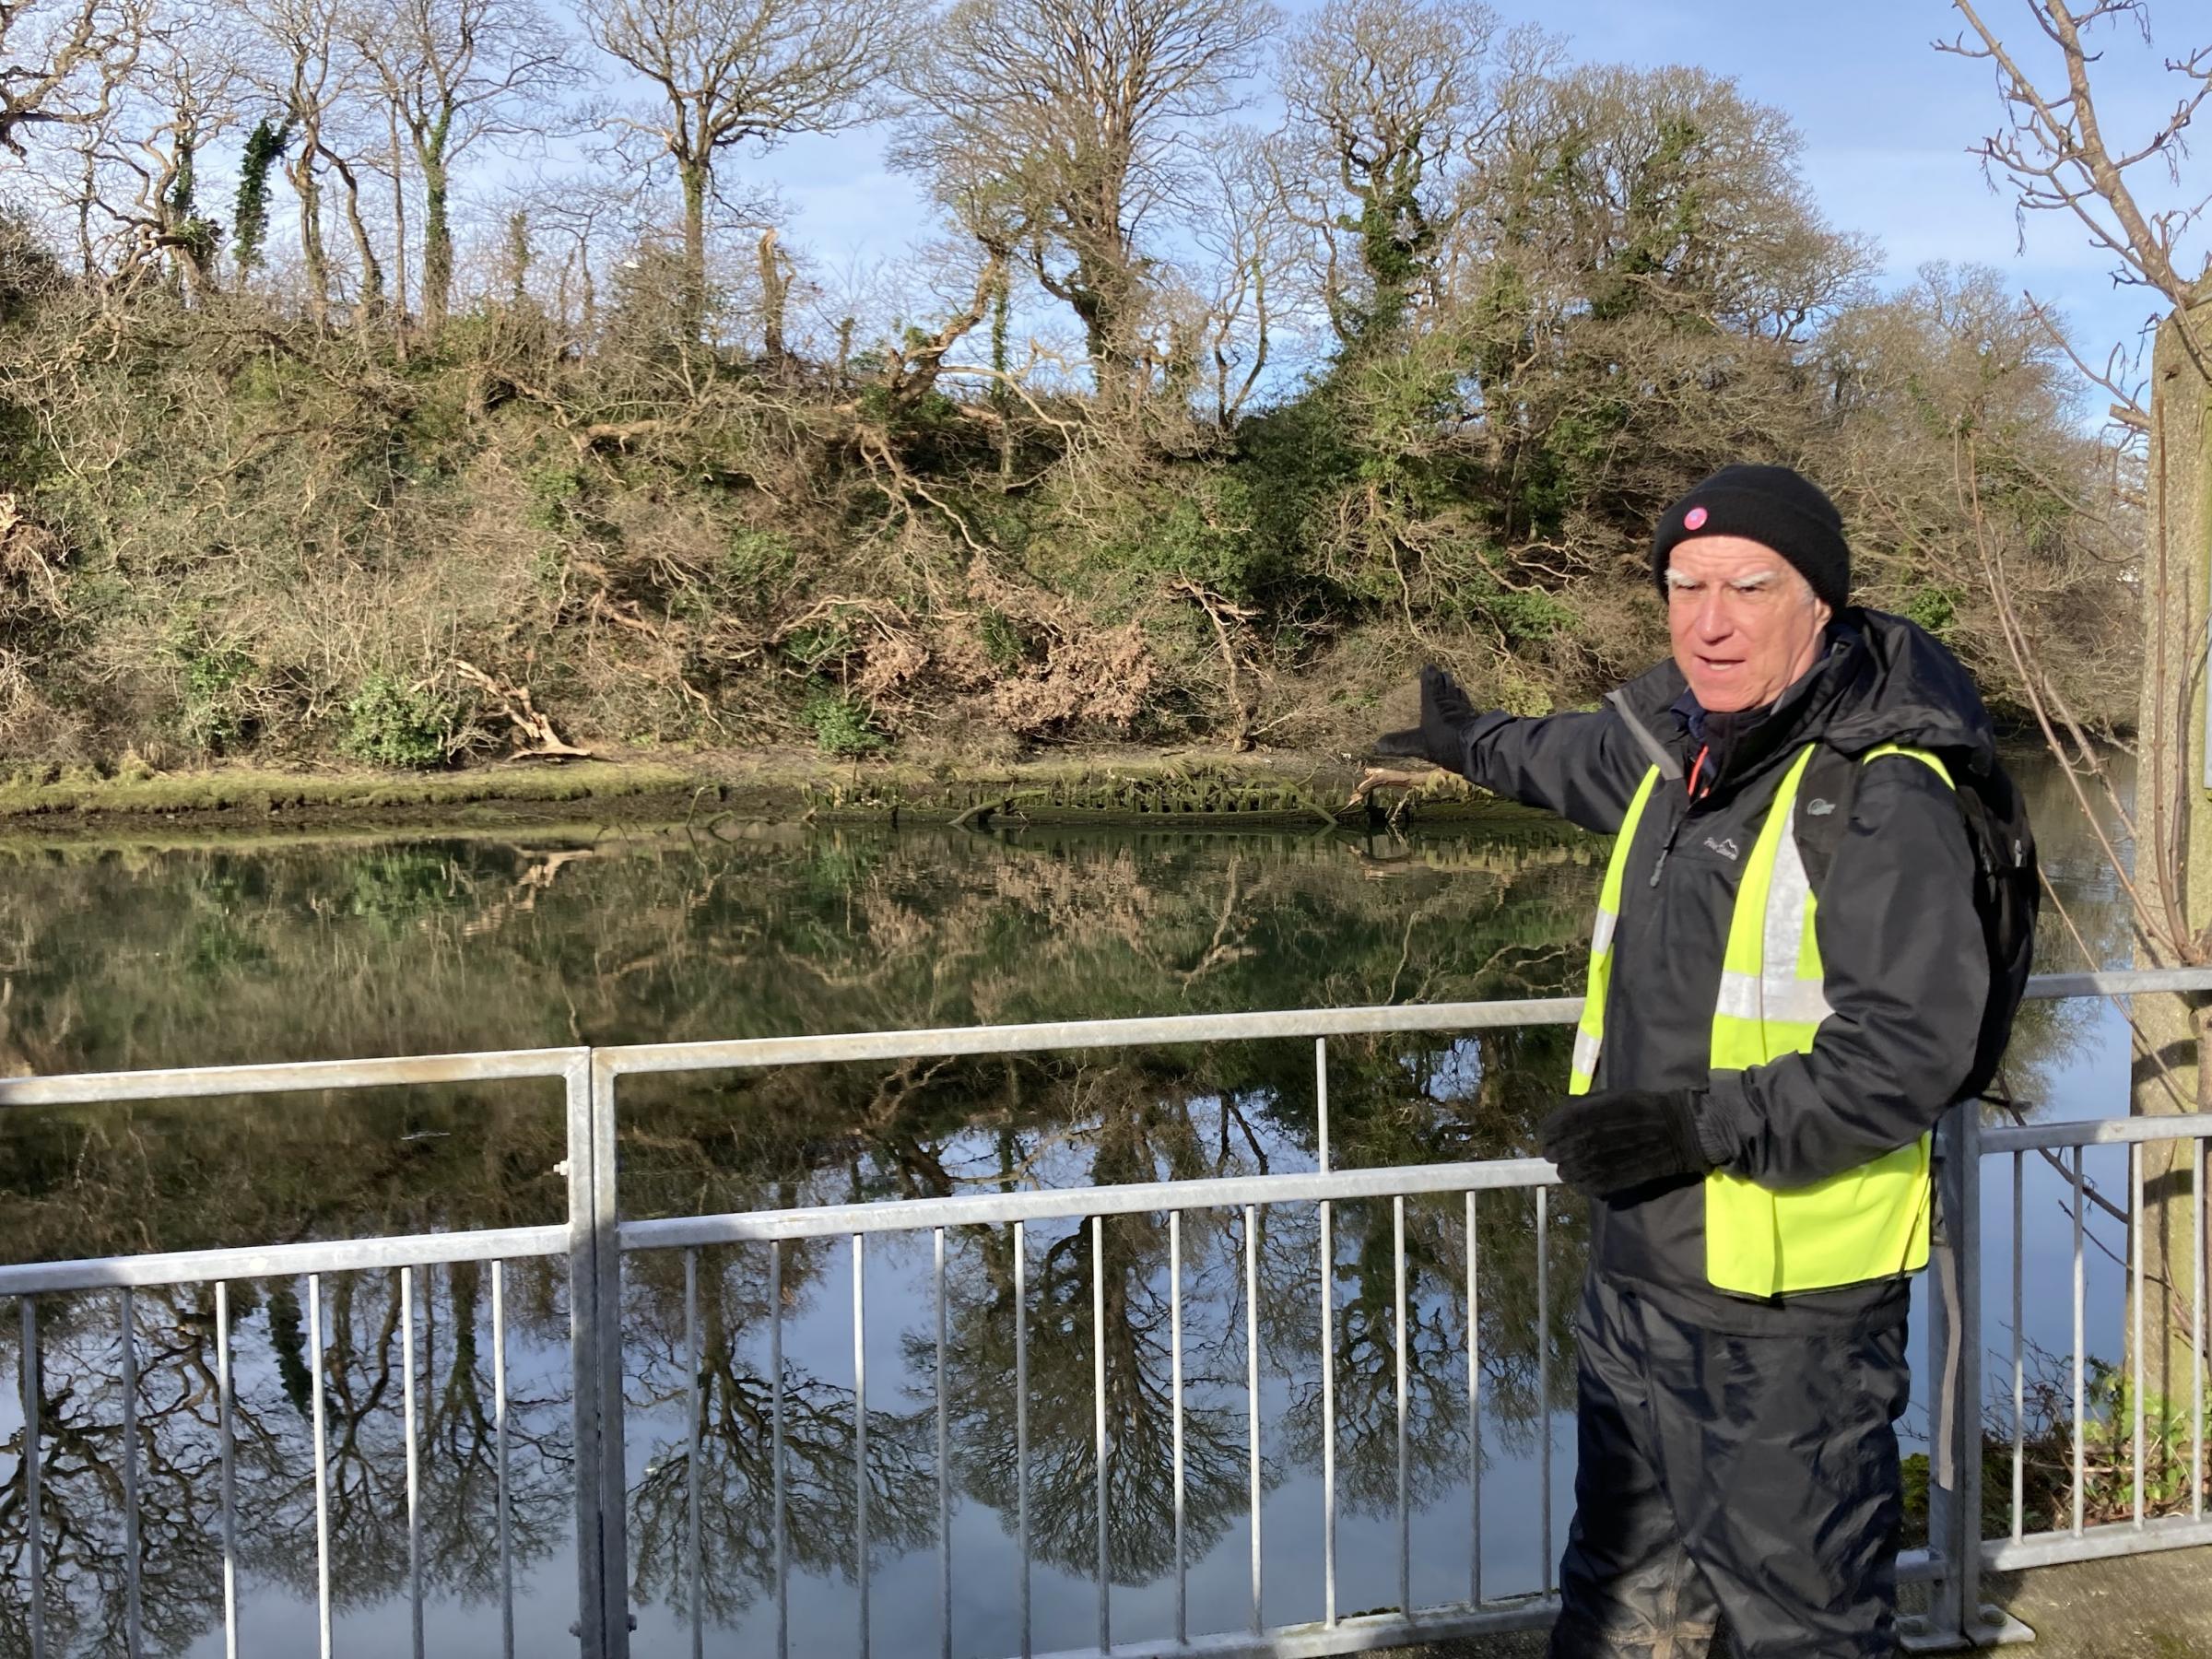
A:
[1751,1476]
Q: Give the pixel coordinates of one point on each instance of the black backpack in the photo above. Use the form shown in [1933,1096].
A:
[2008,889]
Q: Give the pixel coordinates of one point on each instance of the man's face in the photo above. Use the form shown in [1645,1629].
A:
[1745,623]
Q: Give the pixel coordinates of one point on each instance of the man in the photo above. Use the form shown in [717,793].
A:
[1760,1059]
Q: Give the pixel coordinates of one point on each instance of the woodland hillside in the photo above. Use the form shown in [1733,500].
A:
[398,379]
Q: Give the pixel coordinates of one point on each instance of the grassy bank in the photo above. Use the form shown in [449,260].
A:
[713,790]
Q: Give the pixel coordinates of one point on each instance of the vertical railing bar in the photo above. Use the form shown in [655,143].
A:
[225,1434]
[775,1366]
[1183,1622]
[498,1421]
[34,1504]
[1098,1406]
[614,1472]
[1474,1412]
[1021,1418]
[1251,1388]
[1328,1414]
[315,1355]
[2196,1355]
[944,1474]
[693,1550]
[2136,1229]
[2019,1349]
[134,1613]
[583,1361]
[859,1433]
[1968,1472]
[407,1370]
[1544,1368]
[1328,1345]
[2079,1322]
[1321,1100]
[1401,1341]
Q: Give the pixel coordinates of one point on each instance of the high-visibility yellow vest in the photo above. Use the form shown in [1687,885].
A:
[1866,1223]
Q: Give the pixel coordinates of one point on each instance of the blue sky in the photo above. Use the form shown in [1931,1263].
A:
[1888,124]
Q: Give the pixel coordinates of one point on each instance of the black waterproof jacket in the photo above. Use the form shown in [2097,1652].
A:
[1907,974]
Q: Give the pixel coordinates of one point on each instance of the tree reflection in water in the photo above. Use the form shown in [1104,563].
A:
[135,958]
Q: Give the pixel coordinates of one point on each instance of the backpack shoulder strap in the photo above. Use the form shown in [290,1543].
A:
[1824,796]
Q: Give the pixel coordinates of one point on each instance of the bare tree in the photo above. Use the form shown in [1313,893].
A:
[733,71]
[2056,153]
[1386,97]
[302,65]
[1071,114]
[1243,225]
[184,98]
[455,73]
[61,62]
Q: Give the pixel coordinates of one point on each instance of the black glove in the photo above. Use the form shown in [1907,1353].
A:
[1617,1138]
[1445,712]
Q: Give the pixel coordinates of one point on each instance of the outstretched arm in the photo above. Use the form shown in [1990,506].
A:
[1582,767]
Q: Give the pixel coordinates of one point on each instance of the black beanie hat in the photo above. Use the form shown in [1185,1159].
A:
[1771,505]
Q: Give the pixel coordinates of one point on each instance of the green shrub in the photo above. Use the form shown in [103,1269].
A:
[218,710]
[554,493]
[756,556]
[841,725]
[1935,609]
[392,724]
[1002,641]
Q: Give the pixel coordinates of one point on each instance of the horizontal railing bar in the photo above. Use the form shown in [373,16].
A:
[978,1209]
[1048,1035]
[950,1040]
[2094,1132]
[190,1082]
[282,1261]
[290,1076]
[2095,1542]
[2117,981]
[1359,1634]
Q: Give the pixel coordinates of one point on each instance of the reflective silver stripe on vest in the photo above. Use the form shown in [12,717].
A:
[1778,994]
[1787,890]
[1601,934]
[1585,1054]
[1796,1001]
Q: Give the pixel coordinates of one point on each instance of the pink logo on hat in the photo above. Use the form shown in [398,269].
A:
[1694,519]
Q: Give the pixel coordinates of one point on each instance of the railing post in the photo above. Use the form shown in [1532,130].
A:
[1957,1618]
[595,1356]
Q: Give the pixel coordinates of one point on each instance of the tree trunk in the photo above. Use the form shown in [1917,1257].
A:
[437,238]
[399,236]
[2174,808]
[369,304]
[309,189]
[697,177]
[775,287]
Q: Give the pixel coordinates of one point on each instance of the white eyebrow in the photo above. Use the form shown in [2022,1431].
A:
[1677,579]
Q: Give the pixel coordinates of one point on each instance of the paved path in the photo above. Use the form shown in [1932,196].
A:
[2152,1606]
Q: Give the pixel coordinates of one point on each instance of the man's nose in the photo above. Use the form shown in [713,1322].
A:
[1714,621]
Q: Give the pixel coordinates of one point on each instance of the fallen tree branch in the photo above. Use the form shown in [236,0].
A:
[530,726]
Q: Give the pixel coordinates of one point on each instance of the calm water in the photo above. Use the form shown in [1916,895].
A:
[130,955]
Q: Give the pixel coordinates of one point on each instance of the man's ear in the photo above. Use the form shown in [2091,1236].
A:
[1822,612]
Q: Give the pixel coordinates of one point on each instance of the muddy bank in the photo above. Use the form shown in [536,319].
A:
[714,791]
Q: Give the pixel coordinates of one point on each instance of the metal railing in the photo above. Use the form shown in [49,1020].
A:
[596,1241]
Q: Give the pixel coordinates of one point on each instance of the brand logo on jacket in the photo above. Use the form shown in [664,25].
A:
[1820,808]
[1726,849]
